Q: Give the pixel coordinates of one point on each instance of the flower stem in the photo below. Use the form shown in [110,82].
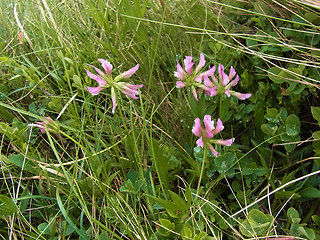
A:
[220,106]
[205,152]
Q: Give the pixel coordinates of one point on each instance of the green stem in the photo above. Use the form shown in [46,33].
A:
[205,152]
[220,106]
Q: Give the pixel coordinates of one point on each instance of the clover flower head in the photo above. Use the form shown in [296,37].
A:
[192,77]
[48,124]
[105,80]
[208,132]
[224,84]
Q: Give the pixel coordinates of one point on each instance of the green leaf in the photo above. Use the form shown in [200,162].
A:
[224,162]
[186,232]
[165,227]
[269,128]
[273,74]
[44,228]
[256,217]
[257,223]
[161,162]
[68,219]
[293,215]
[310,192]
[164,203]
[292,125]
[316,113]
[17,160]
[7,207]
[316,219]
[178,201]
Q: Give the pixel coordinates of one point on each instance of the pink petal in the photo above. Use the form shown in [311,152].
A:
[180,84]
[194,92]
[188,64]
[114,99]
[235,81]
[202,62]
[40,125]
[98,70]
[209,126]
[241,96]
[49,119]
[91,75]
[133,86]
[197,128]
[207,82]
[232,73]
[219,127]
[130,94]
[220,70]
[213,151]
[106,65]
[131,71]
[200,142]
[225,79]
[180,73]
[198,78]
[94,90]
[211,91]
[227,92]
[126,88]
[99,80]
[210,72]
[225,142]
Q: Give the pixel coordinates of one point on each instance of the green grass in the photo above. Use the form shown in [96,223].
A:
[136,174]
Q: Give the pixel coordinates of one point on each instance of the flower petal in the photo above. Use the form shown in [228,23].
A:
[225,142]
[99,80]
[235,81]
[200,142]
[130,94]
[211,91]
[202,62]
[225,79]
[131,71]
[106,65]
[219,127]
[197,128]
[198,79]
[94,90]
[209,126]
[227,92]
[213,151]
[207,82]
[114,99]
[188,64]
[210,72]
[180,84]
[232,73]
[194,92]
[241,96]
[220,70]
[97,70]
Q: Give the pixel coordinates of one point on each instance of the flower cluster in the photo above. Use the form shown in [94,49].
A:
[190,77]
[47,124]
[223,85]
[105,80]
[208,132]
[196,78]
